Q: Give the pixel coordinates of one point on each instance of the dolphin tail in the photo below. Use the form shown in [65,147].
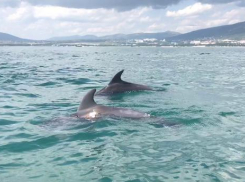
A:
[88,100]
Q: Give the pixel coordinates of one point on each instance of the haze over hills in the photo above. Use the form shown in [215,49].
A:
[74,37]
[8,37]
[234,31]
[159,36]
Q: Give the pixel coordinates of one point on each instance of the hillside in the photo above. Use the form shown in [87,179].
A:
[159,36]
[4,37]
[234,31]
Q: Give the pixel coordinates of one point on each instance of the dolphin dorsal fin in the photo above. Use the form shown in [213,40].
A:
[88,100]
[117,78]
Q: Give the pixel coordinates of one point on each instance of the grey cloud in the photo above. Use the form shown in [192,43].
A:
[241,3]
[217,1]
[10,3]
[238,2]
[121,5]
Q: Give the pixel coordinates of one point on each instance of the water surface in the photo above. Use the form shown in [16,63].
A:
[204,93]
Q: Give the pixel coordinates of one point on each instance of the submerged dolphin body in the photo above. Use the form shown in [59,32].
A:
[88,109]
[117,85]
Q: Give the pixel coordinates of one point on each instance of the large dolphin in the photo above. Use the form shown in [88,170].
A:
[117,85]
[88,109]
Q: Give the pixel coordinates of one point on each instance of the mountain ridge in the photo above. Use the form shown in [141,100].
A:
[233,31]
[9,37]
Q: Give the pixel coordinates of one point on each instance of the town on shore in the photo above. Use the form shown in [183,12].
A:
[132,43]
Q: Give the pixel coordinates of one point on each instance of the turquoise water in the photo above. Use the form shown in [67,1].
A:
[203,93]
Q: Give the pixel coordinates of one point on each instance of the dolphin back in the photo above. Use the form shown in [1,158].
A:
[117,85]
[89,109]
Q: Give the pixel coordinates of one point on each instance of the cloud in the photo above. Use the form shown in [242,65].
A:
[237,2]
[40,20]
[194,9]
[216,17]
[10,3]
[218,1]
[22,13]
[121,5]
[242,3]
[69,14]
[156,27]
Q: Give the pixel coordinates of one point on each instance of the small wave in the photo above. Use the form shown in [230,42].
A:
[224,114]
[48,83]
[28,95]
[7,122]
[77,81]
[23,146]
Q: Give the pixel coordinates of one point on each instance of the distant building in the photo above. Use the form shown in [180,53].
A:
[139,40]
[150,40]
[242,41]
[196,42]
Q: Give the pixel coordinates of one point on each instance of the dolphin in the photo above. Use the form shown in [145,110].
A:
[88,109]
[117,85]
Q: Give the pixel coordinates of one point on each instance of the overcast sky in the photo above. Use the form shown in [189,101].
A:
[42,19]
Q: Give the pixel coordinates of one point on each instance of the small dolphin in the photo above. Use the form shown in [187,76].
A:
[117,85]
[88,109]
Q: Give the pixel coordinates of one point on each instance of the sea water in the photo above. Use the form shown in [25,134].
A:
[202,90]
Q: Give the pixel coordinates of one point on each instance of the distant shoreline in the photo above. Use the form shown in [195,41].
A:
[163,46]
